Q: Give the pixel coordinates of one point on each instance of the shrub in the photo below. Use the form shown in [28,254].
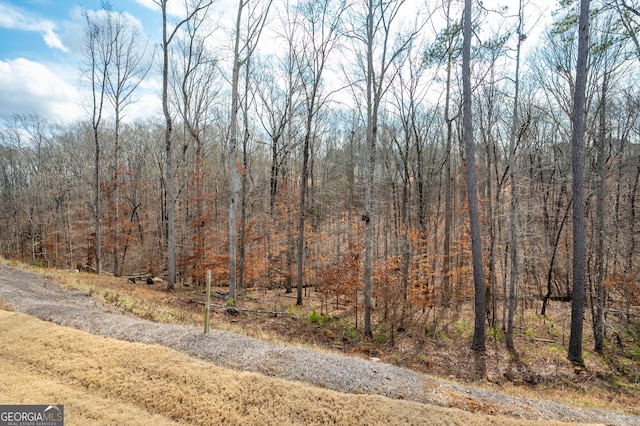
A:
[530,333]
[463,328]
[494,332]
[315,317]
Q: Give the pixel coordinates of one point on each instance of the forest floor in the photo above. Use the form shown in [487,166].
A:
[283,352]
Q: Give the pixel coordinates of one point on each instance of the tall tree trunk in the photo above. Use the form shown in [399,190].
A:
[274,174]
[200,204]
[448,209]
[254,29]
[601,167]
[367,217]
[494,227]
[513,206]
[303,193]
[233,168]
[245,166]
[472,195]
[577,154]
[420,188]
[96,201]
[116,197]
[405,220]
[171,254]
[100,56]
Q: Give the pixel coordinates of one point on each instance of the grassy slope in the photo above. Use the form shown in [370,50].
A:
[105,381]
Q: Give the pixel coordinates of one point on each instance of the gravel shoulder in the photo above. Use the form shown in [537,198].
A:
[45,299]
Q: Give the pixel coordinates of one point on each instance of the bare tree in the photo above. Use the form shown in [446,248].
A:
[513,205]
[280,102]
[409,95]
[99,54]
[446,49]
[607,59]
[601,171]
[33,180]
[195,78]
[380,51]
[194,7]
[129,66]
[245,41]
[278,97]
[322,21]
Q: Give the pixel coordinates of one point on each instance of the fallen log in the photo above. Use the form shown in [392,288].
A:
[226,307]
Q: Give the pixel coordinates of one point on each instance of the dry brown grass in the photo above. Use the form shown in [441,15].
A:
[105,381]
[450,358]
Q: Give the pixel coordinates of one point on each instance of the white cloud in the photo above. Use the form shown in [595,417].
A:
[174,8]
[147,105]
[30,87]
[14,18]
[53,41]
[72,32]
[149,4]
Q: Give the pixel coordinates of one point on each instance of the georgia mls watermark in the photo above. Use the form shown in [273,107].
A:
[31,415]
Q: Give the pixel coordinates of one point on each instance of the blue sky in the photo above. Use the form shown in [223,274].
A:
[41,44]
[41,51]
[29,28]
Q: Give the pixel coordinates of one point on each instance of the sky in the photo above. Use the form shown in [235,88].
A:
[41,44]
[41,52]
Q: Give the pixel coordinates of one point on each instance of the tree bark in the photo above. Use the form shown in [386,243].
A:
[372,129]
[513,205]
[472,195]
[244,183]
[601,170]
[171,254]
[233,143]
[577,156]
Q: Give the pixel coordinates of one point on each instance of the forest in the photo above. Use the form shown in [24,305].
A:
[344,148]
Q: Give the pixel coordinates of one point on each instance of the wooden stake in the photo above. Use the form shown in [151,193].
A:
[207,309]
